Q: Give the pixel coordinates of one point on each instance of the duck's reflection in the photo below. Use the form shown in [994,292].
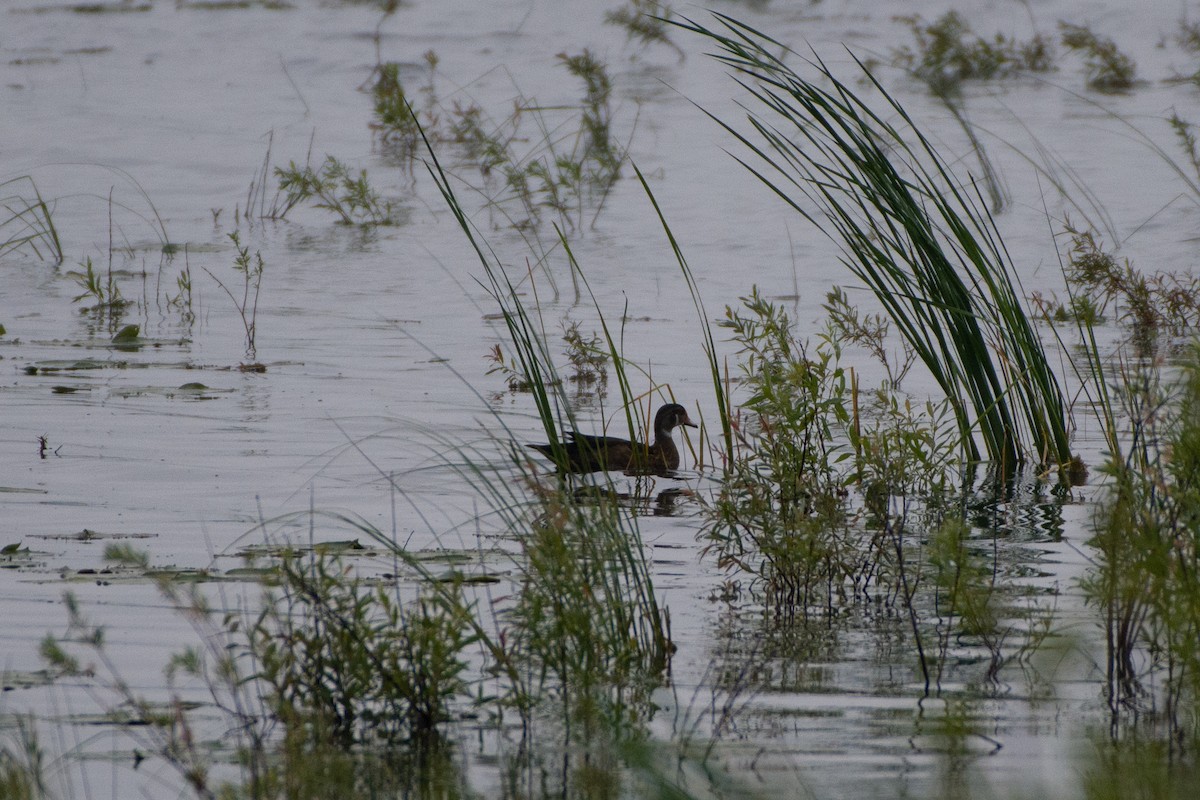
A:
[641,500]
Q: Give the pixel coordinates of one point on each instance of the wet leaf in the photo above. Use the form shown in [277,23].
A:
[129,333]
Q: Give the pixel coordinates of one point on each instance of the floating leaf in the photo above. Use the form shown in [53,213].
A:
[129,333]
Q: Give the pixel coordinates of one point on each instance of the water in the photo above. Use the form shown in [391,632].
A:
[145,126]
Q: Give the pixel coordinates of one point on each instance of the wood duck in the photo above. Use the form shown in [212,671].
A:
[584,453]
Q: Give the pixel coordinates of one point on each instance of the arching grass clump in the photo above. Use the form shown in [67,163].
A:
[918,237]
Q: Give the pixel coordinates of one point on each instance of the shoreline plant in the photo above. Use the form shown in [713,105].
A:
[919,239]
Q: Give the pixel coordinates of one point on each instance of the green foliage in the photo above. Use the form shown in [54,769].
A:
[350,663]
[565,173]
[1144,580]
[586,620]
[334,188]
[1151,305]
[947,52]
[27,222]
[1108,69]
[1184,131]
[587,355]
[787,514]
[394,122]
[868,331]
[103,289]
[645,21]
[915,235]
[22,763]
[246,302]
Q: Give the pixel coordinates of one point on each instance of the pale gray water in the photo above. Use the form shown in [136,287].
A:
[182,100]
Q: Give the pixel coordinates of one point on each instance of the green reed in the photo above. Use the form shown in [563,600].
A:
[28,221]
[921,240]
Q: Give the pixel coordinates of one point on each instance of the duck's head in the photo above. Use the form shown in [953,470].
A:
[671,416]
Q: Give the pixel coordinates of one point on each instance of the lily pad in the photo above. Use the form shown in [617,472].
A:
[71,365]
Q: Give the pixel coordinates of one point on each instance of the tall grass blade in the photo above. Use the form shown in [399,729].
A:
[28,222]
[919,238]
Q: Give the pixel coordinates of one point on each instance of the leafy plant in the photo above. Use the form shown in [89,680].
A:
[1144,579]
[646,21]
[1163,302]
[395,121]
[103,289]
[334,188]
[587,356]
[1108,69]
[349,663]
[947,52]
[251,270]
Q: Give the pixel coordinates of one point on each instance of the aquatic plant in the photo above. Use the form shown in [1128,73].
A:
[1108,69]
[869,331]
[22,763]
[349,663]
[587,355]
[28,221]
[103,289]
[334,188]
[915,235]
[1151,305]
[251,270]
[568,170]
[182,300]
[1184,132]
[947,52]
[395,122]
[782,507]
[1144,581]
[646,21]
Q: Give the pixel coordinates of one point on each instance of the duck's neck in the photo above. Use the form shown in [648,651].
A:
[664,443]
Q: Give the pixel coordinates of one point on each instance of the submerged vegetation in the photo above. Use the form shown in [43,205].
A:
[1108,69]
[947,52]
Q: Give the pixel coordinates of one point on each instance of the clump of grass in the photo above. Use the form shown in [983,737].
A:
[597,667]
[28,221]
[647,21]
[916,236]
[22,762]
[1108,69]
[333,187]
[251,269]
[947,52]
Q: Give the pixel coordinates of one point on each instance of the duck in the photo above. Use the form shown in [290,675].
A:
[585,453]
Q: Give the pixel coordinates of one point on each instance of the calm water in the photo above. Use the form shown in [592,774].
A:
[145,126]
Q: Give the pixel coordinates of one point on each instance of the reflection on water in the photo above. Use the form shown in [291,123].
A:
[644,499]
